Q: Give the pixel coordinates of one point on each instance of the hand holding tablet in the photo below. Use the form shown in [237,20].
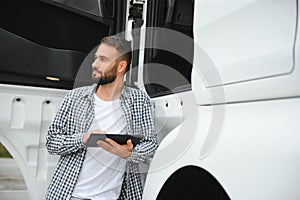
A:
[119,138]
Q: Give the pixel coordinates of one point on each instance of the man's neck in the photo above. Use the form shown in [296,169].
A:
[111,91]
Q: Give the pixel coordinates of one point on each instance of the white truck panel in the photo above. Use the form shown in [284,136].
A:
[254,157]
[228,57]
[26,113]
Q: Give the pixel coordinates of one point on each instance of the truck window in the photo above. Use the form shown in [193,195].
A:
[166,72]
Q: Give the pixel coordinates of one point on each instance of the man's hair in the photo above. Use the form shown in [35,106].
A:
[122,46]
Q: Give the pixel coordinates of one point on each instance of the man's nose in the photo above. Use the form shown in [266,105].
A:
[94,64]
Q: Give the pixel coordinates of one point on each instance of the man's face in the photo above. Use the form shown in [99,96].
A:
[105,65]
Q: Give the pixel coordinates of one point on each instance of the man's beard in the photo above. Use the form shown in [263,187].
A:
[107,76]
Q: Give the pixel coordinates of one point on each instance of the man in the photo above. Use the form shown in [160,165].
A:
[110,171]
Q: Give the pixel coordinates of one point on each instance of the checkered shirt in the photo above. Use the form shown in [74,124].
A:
[74,118]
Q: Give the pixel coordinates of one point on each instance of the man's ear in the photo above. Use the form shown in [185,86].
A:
[122,66]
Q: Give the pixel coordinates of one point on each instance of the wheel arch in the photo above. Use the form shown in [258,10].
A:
[192,181]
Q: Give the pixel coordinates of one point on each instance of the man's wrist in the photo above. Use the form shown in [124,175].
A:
[128,154]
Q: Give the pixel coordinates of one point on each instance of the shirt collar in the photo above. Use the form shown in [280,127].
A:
[125,92]
[89,93]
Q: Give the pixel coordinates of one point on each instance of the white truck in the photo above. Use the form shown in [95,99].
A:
[223,77]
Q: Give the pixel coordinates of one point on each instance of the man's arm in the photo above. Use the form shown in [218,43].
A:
[148,145]
[59,141]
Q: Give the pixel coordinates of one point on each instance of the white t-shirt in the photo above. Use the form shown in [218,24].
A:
[102,173]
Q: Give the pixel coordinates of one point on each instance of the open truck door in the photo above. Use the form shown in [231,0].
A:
[43,44]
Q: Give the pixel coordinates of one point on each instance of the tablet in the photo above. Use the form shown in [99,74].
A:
[119,138]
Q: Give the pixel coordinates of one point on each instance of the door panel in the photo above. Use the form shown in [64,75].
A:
[50,39]
[26,113]
[40,39]
[250,39]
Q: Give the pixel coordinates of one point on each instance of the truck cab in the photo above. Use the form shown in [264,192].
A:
[223,78]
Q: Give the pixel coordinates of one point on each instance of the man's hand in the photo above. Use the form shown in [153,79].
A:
[123,151]
[86,136]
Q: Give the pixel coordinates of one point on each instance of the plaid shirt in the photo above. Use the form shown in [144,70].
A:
[74,118]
